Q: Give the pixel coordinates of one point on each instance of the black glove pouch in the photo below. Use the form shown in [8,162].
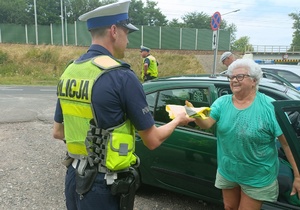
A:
[84,182]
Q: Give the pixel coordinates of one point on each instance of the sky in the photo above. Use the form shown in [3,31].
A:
[265,22]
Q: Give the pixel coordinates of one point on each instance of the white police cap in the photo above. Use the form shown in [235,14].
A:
[116,13]
[143,48]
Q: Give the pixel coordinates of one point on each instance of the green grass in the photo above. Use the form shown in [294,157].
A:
[43,64]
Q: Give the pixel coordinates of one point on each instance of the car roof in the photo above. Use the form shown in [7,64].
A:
[274,76]
[293,68]
[216,79]
[274,88]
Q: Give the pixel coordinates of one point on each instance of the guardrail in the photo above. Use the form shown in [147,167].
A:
[279,49]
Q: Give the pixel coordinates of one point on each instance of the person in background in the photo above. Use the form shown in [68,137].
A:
[100,99]
[246,147]
[227,58]
[149,66]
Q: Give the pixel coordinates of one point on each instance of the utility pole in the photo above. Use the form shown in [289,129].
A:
[62,23]
[35,22]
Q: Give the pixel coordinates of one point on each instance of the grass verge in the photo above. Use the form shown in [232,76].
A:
[43,64]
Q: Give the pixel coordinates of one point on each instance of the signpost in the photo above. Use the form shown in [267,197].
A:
[215,25]
[215,21]
[214,40]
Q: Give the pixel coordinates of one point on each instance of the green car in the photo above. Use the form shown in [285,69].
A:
[186,162]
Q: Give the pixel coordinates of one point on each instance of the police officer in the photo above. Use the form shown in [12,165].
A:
[149,65]
[100,91]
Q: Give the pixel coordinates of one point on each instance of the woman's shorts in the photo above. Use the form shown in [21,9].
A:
[267,193]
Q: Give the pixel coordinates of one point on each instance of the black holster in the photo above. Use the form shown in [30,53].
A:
[126,186]
[148,77]
[85,181]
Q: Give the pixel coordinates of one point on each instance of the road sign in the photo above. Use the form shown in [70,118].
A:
[214,39]
[215,21]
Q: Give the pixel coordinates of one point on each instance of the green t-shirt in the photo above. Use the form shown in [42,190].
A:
[246,145]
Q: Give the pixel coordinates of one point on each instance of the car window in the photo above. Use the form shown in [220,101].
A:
[294,119]
[293,94]
[276,95]
[151,99]
[271,75]
[199,97]
[273,71]
[224,91]
[289,76]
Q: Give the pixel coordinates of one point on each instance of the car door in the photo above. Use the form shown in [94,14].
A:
[287,113]
[187,160]
[290,126]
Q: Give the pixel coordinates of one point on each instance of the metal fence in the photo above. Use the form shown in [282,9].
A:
[77,34]
[273,49]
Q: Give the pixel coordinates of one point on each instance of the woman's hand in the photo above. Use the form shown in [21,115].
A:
[188,104]
[296,187]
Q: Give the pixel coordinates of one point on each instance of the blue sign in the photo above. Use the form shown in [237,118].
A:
[215,21]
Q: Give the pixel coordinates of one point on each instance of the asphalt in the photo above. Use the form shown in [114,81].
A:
[24,104]
[31,173]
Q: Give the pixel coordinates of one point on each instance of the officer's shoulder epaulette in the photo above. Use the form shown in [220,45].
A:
[106,62]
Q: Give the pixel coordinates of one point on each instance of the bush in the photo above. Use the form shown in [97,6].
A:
[3,57]
[45,56]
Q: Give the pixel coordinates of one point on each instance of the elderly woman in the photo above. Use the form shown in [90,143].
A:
[246,141]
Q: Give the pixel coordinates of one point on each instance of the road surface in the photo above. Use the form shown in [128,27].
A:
[31,173]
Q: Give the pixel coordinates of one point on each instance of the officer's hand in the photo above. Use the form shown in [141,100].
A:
[183,119]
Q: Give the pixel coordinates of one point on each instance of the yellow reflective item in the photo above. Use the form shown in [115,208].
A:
[105,62]
[77,148]
[83,111]
[201,112]
[120,147]
[116,159]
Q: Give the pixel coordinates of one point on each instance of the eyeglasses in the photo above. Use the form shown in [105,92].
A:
[238,77]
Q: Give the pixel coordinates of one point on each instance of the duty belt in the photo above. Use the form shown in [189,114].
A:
[110,176]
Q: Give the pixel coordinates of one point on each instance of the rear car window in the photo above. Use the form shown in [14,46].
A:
[199,97]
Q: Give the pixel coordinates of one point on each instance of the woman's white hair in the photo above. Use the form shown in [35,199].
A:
[253,69]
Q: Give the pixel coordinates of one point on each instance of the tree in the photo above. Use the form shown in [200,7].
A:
[14,11]
[148,15]
[175,23]
[75,8]
[48,11]
[242,45]
[136,13]
[232,29]
[197,20]
[296,35]
[154,16]
[202,21]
